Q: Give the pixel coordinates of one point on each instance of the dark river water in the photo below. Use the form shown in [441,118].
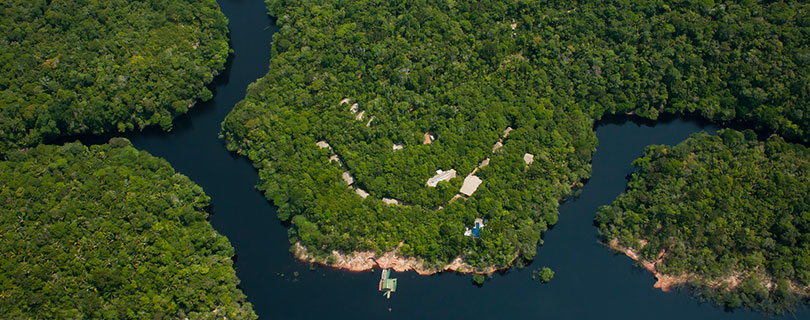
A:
[590,282]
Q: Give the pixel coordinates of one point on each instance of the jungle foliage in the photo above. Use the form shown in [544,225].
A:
[108,232]
[416,68]
[722,207]
[462,72]
[88,66]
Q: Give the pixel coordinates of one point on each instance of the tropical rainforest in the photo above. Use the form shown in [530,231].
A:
[415,68]
[730,212]
[109,232]
[106,232]
[368,76]
[372,98]
[88,66]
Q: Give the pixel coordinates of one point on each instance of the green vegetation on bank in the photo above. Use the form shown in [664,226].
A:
[415,68]
[465,71]
[109,232]
[730,211]
[87,66]
[725,60]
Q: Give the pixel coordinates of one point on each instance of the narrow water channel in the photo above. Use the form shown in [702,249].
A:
[590,281]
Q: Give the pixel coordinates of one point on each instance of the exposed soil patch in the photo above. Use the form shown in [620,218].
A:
[666,282]
[367,260]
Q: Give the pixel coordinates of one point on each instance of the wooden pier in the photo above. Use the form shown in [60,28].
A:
[387,285]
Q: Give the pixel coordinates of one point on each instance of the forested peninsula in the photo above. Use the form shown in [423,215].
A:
[109,232]
[375,114]
[88,66]
[727,215]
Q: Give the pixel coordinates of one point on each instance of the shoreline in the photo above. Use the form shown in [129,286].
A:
[358,261]
[667,282]
[663,281]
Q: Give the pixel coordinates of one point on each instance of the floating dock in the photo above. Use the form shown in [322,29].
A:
[387,285]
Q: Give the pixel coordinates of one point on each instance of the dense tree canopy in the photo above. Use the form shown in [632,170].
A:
[109,232]
[728,210]
[744,60]
[90,66]
[464,71]
[414,67]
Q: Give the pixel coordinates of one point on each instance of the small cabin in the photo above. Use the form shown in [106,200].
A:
[428,138]
[497,146]
[347,177]
[484,163]
[528,158]
[507,131]
[361,192]
[441,176]
[323,145]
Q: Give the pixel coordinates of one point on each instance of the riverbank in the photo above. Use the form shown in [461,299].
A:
[663,281]
[667,282]
[366,260]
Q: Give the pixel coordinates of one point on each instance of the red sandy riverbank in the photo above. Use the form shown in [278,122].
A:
[664,282]
[366,260]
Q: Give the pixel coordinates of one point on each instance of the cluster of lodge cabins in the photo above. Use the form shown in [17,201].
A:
[471,182]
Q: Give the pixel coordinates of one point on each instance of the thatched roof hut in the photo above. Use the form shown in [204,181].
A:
[471,184]
[528,158]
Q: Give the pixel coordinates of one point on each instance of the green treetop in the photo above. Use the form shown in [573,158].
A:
[109,232]
[728,212]
[88,66]
[463,72]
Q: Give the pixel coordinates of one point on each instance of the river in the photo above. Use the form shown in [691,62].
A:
[590,281]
